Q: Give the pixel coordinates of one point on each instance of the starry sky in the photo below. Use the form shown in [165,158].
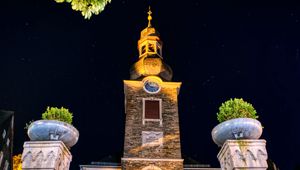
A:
[51,56]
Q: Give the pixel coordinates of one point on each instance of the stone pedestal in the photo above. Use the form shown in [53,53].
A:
[46,155]
[243,154]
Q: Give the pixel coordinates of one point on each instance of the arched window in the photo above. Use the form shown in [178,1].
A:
[143,49]
[151,48]
[151,167]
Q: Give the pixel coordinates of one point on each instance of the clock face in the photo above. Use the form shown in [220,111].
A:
[151,87]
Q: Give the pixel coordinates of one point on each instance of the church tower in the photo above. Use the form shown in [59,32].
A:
[152,135]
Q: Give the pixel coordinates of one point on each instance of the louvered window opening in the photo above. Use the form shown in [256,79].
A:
[152,109]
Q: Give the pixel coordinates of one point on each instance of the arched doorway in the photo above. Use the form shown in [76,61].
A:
[151,167]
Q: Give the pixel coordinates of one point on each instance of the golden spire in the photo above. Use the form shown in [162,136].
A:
[149,17]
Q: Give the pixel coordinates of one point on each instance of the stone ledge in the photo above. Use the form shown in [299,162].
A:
[46,144]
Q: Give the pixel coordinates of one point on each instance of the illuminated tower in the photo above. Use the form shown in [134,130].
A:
[152,136]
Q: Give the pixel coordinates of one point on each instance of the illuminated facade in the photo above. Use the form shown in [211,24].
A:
[152,134]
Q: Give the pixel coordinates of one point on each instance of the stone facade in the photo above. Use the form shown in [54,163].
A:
[243,154]
[168,144]
[152,135]
[152,164]
[45,155]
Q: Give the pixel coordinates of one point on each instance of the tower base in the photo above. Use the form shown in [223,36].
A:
[151,164]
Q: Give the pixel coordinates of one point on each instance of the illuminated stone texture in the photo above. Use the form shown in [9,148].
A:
[152,164]
[45,155]
[152,135]
[134,94]
[150,62]
[243,154]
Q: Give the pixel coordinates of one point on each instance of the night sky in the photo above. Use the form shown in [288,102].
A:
[51,56]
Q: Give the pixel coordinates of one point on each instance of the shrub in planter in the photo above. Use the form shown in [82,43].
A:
[236,108]
[237,121]
[55,125]
[61,114]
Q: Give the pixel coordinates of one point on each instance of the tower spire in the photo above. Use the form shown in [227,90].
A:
[150,55]
[149,17]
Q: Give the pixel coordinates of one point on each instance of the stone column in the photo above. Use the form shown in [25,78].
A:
[46,155]
[243,154]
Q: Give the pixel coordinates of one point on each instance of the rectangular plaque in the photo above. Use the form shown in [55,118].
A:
[151,138]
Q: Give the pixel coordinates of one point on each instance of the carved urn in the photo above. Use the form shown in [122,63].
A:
[239,128]
[49,130]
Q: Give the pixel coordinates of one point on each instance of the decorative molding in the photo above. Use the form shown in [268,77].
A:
[151,167]
[249,154]
[135,83]
[148,159]
[52,155]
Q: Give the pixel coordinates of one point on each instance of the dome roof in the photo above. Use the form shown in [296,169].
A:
[151,66]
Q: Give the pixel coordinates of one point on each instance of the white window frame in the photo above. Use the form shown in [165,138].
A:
[160,110]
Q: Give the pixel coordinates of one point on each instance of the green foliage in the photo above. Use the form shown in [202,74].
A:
[61,114]
[28,124]
[87,7]
[236,108]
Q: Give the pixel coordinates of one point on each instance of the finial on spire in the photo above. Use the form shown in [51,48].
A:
[149,17]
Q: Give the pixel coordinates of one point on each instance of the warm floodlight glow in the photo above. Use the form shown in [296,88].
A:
[165,139]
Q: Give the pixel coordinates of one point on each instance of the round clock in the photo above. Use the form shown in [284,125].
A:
[151,86]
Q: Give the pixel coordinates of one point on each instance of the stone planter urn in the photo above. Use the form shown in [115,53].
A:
[239,128]
[53,130]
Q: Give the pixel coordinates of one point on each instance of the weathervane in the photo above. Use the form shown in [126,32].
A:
[149,17]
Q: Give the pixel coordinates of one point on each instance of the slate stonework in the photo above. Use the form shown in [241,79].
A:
[133,147]
[143,164]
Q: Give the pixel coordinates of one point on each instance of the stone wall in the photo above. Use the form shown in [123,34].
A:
[152,164]
[244,154]
[169,128]
[45,155]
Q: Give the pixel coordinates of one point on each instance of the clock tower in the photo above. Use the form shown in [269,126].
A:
[152,135]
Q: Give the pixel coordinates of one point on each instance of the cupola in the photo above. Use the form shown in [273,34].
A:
[150,61]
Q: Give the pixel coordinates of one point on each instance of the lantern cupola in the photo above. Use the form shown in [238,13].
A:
[150,62]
